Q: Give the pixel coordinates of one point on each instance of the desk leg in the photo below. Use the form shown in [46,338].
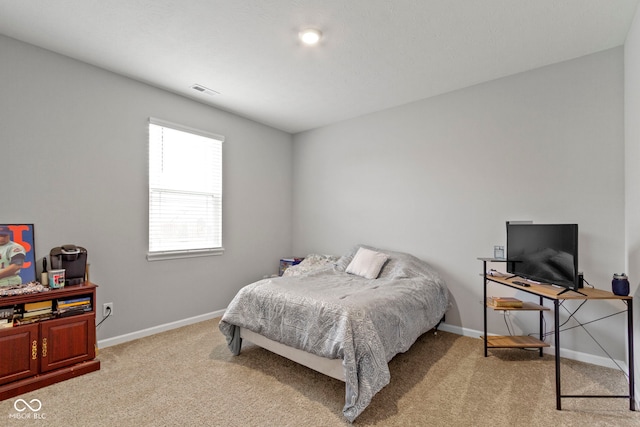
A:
[484,301]
[541,323]
[632,401]
[556,315]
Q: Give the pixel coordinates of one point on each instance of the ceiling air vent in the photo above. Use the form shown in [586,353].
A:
[204,90]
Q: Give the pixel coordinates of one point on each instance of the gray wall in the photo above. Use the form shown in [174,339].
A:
[437,178]
[74,151]
[632,173]
[440,177]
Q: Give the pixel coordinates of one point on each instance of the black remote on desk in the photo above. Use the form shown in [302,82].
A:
[518,282]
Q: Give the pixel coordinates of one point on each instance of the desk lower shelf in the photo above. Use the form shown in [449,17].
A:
[526,306]
[520,341]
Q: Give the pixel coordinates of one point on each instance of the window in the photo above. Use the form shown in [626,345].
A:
[185,192]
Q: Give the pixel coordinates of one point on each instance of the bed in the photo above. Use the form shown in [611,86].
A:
[346,317]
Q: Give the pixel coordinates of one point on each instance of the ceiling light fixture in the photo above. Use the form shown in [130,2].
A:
[310,36]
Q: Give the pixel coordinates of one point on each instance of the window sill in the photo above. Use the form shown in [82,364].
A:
[161,256]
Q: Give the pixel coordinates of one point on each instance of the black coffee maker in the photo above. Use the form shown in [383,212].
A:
[74,261]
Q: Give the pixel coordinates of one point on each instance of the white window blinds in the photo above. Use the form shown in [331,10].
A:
[185,191]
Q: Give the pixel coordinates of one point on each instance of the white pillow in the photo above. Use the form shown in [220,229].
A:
[367,263]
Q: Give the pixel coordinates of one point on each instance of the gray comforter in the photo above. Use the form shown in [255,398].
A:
[333,314]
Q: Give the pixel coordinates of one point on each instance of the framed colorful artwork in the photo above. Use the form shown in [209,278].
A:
[17,254]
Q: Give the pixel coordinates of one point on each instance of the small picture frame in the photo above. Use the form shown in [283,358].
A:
[17,247]
[498,252]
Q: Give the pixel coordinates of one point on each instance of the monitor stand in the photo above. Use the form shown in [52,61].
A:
[569,289]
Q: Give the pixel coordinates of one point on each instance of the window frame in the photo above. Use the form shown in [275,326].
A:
[179,253]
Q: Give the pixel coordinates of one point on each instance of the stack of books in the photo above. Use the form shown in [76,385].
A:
[73,306]
[35,312]
[505,302]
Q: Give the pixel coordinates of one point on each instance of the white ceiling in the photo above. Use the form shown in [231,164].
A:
[375,54]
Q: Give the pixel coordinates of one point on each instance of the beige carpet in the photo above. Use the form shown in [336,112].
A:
[188,377]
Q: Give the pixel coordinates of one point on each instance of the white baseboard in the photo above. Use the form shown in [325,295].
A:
[157,329]
[568,354]
[458,330]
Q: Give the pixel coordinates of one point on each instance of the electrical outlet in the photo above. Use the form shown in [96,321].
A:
[107,309]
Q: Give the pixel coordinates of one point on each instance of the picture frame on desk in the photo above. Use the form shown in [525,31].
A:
[17,240]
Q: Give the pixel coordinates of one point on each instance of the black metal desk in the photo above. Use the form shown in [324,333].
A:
[549,292]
